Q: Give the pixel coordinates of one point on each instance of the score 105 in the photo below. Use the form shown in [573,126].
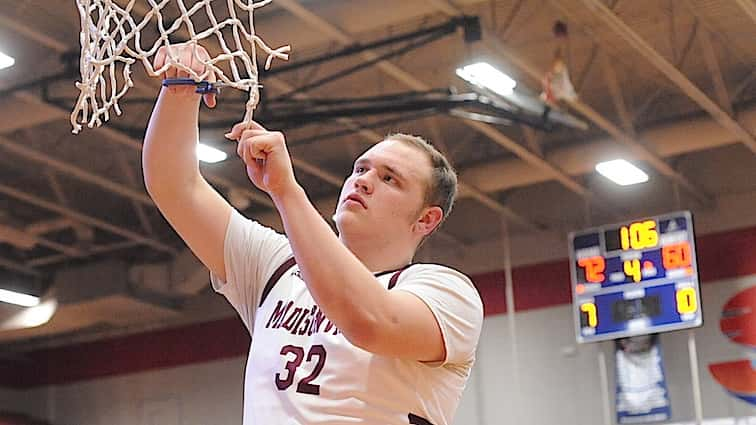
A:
[641,239]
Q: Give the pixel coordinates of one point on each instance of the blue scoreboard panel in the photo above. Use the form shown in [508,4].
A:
[635,278]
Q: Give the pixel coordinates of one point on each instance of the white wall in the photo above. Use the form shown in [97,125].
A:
[559,381]
[207,393]
[562,386]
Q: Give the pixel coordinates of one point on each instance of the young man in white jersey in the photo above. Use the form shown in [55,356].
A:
[344,328]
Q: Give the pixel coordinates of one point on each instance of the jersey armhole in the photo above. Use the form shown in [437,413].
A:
[275,278]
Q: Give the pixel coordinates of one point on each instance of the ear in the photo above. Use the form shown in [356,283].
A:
[429,219]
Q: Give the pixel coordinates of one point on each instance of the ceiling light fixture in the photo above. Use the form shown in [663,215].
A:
[484,75]
[6,61]
[621,172]
[17,298]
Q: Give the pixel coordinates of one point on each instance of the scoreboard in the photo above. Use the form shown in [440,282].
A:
[635,278]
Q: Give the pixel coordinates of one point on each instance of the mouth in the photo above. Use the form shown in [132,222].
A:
[356,198]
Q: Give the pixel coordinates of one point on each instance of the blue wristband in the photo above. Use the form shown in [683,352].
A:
[203,87]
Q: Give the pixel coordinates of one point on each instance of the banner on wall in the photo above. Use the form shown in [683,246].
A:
[642,394]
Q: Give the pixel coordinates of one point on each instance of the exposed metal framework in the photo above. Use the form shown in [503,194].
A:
[589,113]
[678,78]
[414,83]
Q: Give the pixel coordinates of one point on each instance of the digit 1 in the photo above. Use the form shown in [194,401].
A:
[624,238]
[632,269]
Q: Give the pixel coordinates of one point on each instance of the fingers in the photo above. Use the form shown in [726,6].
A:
[185,57]
[201,59]
[209,100]
[159,60]
[257,145]
[239,128]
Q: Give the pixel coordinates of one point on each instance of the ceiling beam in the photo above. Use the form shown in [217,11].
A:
[742,85]
[748,7]
[638,149]
[679,63]
[712,63]
[116,136]
[27,31]
[414,83]
[24,240]
[98,249]
[615,91]
[132,144]
[619,27]
[19,268]
[86,219]
[51,163]
[128,172]
[738,52]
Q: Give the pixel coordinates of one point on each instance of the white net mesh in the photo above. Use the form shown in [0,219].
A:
[111,41]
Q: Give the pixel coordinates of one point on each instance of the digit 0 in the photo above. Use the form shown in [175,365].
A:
[686,300]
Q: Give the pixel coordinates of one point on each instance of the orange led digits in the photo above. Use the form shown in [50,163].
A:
[676,256]
[639,235]
[633,269]
[594,268]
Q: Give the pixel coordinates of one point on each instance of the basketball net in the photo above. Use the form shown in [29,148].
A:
[556,82]
[557,85]
[111,41]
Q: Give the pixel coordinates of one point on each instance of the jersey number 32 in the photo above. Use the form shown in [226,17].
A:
[305,385]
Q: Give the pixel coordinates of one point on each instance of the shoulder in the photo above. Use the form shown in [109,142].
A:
[431,269]
[438,277]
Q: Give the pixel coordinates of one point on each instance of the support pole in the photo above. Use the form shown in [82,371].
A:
[509,293]
[695,380]
[604,376]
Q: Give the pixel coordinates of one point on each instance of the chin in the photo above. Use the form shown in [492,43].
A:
[349,224]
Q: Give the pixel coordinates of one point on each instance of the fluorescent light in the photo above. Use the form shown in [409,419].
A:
[209,154]
[621,172]
[6,61]
[484,75]
[18,298]
[31,317]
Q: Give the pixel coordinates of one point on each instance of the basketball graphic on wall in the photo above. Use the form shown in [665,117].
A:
[738,323]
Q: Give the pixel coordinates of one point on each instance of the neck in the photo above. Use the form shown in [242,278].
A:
[379,257]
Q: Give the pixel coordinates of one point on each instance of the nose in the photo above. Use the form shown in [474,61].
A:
[363,182]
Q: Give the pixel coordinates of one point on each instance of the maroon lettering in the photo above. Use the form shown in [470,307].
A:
[279,313]
[306,324]
[301,317]
[289,324]
[317,321]
[305,386]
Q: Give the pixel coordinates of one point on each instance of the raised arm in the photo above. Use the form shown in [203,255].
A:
[171,170]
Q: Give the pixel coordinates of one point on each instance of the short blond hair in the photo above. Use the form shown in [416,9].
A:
[441,190]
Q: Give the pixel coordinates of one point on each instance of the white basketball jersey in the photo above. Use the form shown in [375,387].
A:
[302,370]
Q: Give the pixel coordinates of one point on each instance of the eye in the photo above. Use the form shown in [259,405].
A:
[359,170]
[388,178]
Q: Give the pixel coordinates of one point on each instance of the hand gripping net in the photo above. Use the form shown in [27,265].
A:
[111,41]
